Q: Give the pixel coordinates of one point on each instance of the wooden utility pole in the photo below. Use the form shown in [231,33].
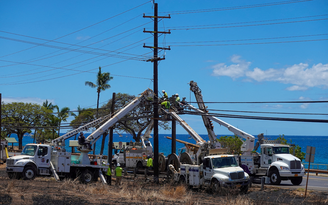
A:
[155,60]
[110,143]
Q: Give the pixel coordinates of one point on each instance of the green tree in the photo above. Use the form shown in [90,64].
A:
[233,143]
[20,118]
[295,150]
[62,115]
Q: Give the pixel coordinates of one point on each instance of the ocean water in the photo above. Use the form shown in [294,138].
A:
[319,142]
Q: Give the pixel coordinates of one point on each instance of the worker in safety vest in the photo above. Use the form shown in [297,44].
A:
[149,166]
[165,96]
[166,104]
[177,98]
[108,174]
[118,172]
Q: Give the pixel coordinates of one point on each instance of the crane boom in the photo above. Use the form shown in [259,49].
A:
[200,141]
[248,144]
[93,137]
[207,122]
[79,129]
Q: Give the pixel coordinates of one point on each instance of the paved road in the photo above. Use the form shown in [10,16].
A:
[319,183]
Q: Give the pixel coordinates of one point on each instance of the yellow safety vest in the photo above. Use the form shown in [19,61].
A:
[109,172]
[150,162]
[118,171]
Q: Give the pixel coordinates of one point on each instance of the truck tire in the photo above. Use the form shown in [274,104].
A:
[274,177]
[215,186]
[29,173]
[86,176]
[182,180]
[296,180]
[139,167]
[244,189]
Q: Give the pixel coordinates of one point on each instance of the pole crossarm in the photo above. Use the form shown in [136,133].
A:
[158,17]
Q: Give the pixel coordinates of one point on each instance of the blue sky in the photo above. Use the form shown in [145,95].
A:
[237,51]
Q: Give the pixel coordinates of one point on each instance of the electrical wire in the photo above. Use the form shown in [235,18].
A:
[252,39]
[301,101]
[80,29]
[234,7]
[233,25]
[283,113]
[259,118]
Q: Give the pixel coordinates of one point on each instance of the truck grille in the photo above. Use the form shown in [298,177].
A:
[10,162]
[237,175]
[295,164]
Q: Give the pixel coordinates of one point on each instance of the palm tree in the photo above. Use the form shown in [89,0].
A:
[62,115]
[101,85]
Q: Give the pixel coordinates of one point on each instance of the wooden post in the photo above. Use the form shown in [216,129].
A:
[307,178]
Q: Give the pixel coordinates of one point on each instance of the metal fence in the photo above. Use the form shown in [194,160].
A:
[316,166]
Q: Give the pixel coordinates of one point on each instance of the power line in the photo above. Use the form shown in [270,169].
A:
[235,7]
[252,39]
[284,113]
[259,43]
[302,101]
[232,25]
[260,118]
[80,29]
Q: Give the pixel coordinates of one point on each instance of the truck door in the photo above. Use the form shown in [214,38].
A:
[266,158]
[208,170]
[42,158]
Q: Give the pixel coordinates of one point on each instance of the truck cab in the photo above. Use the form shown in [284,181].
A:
[34,160]
[280,164]
[216,171]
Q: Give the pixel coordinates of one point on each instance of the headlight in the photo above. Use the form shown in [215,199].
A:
[284,168]
[19,163]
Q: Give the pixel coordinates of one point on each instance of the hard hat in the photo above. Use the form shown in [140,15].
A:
[118,164]
[177,94]
[149,157]
[163,91]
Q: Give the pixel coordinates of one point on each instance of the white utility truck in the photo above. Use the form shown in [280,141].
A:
[273,161]
[134,155]
[45,160]
[215,172]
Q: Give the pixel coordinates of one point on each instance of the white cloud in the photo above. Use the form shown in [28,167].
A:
[305,105]
[301,76]
[26,100]
[234,71]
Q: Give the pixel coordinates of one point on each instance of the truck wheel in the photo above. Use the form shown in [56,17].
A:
[29,173]
[215,186]
[139,167]
[182,180]
[274,177]
[86,176]
[244,189]
[296,180]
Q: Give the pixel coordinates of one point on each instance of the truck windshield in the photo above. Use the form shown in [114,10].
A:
[29,150]
[280,150]
[224,162]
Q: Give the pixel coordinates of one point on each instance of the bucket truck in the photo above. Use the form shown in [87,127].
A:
[46,160]
[274,160]
[133,155]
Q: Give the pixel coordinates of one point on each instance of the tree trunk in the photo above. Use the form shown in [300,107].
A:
[94,145]
[20,140]
[103,143]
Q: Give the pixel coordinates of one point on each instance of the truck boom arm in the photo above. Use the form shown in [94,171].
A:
[248,144]
[200,141]
[207,122]
[93,137]
[79,129]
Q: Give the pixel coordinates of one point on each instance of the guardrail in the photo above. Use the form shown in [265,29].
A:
[316,168]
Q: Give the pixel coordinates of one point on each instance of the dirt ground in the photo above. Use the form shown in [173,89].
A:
[45,190]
